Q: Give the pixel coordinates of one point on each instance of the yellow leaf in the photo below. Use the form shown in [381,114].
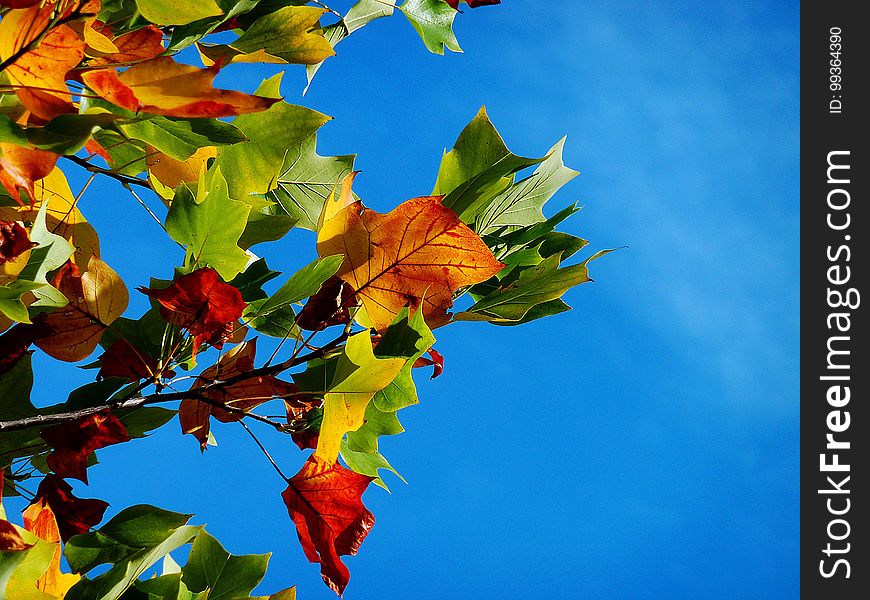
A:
[359,375]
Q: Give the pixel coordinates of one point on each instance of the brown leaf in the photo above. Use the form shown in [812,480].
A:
[124,361]
[201,303]
[329,306]
[21,168]
[325,502]
[96,299]
[162,86]
[14,241]
[74,441]
[40,74]
[244,395]
[420,252]
[10,539]
[74,515]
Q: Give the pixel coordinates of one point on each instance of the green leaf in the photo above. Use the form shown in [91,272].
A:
[368,463]
[522,203]
[267,224]
[15,389]
[51,252]
[34,562]
[127,157]
[64,134]
[291,34]
[253,167]
[409,338]
[306,180]
[433,20]
[181,138]
[359,15]
[279,322]
[11,304]
[250,281]
[304,283]
[139,421]
[185,35]
[225,576]
[210,229]
[177,12]
[377,423]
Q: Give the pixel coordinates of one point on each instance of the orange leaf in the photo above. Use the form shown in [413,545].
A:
[418,250]
[139,45]
[40,74]
[325,502]
[39,520]
[74,515]
[244,395]
[96,299]
[21,167]
[164,87]
[171,172]
[74,441]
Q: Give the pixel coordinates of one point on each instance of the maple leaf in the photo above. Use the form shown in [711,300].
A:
[473,3]
[74,515]
[21,167]
[96,299]
[123,360]
[139,45]
[244,395]
[39,75]
[328,306]
[39,520]
[13,241]
[201,303]
[325,503]
[418,253]
[74,441]
[162,86]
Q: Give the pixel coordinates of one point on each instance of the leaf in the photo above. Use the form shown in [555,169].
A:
[162,86]
[433,20]
[357,377]
[14,241]
[172,173]
[74,441]
[522,203]
[244,395]
[210,229]
[210,567]
[65,134]
[288,35]
[182,138]
[11,303]
[407,337]
[304,283]
[418,249]
[142,44]
[368,463]
[74,515]
[253,167]
[40,74]
[96,298]
[473,3]
[201,303]
[125,361]
[307,179]
[21,168]
[329,306]
[177,12]
[324,501]
[40,521]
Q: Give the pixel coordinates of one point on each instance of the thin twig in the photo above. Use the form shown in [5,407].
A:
[127,179]
[266,452]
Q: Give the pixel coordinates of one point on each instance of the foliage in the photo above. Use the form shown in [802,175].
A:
[104,86]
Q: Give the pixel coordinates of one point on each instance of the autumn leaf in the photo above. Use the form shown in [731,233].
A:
[74,441]
[244,395]
[74,515]
[162,86]
[13,241]
[96,297]
[21,168]
[39,75]
[419,253]
[325,502]
[358,376]
[329,306]
[435,360]
[10,539]
[40,521]
[125,361]
[201,303]
[171,172]
[139,45]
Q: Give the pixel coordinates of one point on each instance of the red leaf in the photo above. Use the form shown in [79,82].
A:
[13,241]
[201,303]
[300,410]
[436,361]
[325,502]
[21,167]
[17,339]
[73,442]
[19,3]
[329,306]
[473,3]
[74,515]
[125,361]
[142,44]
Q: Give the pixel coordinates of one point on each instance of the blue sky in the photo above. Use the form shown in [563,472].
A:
[643,445]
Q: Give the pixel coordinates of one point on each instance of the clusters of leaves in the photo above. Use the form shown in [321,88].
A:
[100,86]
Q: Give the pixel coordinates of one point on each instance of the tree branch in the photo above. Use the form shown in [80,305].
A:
[124,179]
